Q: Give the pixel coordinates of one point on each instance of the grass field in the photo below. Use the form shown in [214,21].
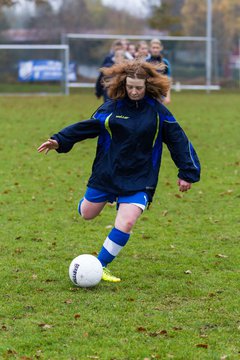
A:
[180,296]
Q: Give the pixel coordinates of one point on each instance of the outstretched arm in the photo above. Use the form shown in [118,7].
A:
[67,137]
[50,144]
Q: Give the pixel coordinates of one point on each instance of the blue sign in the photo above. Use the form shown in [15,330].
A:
[44,70]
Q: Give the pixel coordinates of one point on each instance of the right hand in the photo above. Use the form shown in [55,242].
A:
[48,145]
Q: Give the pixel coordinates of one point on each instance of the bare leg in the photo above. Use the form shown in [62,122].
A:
[89,210]
[127,216]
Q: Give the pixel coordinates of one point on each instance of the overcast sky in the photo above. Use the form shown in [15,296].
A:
[136,7]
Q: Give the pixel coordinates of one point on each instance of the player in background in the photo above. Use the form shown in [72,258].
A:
[116,45]
[103,81]
[131,129]
[156,58]
[142,50]
[131,51]
[127,53]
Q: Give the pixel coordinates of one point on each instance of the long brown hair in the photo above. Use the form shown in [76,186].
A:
[157,84]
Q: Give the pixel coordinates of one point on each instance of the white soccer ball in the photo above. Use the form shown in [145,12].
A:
[85,270]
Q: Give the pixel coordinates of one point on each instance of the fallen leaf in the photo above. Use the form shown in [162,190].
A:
[228,192]
[11,352]
[177,328]
[18,251]
[179,196]
[37,239]
[68,301]
[187,272]
[38,353]
[145,236]
[221,256]
[211,294]
[159,332]
[205,346]
[164,213]
[141,329]
[6,191]
[77,316]
[45,326]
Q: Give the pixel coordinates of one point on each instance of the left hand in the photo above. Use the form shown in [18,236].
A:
[48,145]
[183,185]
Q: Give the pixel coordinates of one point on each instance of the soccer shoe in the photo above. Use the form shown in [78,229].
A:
[107,276]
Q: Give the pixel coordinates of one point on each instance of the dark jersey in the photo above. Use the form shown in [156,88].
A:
[130,137]
[158,60]
[100,89]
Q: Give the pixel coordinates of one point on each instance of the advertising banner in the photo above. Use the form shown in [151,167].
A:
[44,70]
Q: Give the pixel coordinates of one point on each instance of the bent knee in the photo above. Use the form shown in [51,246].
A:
[87,212]
[125,225]
[87,215]
[129,223]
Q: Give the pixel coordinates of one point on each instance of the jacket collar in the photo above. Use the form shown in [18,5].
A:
[133,104]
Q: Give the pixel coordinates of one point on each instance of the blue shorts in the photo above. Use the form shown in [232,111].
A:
[139,199]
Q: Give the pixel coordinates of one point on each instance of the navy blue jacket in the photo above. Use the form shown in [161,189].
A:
[159,59]
[130,137]
[99,87]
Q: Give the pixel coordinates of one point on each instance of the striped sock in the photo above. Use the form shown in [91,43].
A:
[112,246]
[79,206]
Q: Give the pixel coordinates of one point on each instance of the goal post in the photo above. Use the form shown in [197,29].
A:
[28,64]
[188,56]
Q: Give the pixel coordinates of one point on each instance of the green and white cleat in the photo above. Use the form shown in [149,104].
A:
[107,276]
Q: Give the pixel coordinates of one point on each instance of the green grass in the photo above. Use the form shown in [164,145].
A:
[30,88]
[157,311]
